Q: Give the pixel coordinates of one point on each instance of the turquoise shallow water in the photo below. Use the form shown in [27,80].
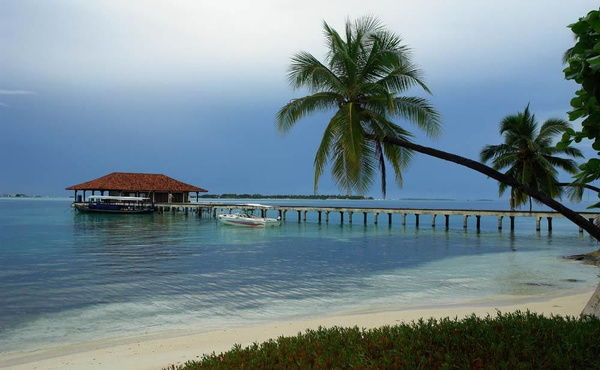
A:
[67,277]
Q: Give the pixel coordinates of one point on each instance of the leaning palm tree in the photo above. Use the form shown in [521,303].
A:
[530,156]
[361,82]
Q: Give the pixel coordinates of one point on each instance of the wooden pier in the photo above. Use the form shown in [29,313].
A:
[323,213]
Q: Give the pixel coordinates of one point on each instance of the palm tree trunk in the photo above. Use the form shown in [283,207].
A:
[576,218]
[530,205]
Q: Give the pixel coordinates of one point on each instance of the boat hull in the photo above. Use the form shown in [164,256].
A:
[237,220]
[86,209]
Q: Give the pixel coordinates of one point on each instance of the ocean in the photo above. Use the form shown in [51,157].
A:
[67,277]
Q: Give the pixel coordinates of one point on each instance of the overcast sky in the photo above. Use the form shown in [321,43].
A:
[190,88]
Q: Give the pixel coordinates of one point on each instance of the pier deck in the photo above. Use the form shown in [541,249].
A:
[211,209]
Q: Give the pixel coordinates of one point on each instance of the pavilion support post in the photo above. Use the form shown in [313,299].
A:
[376,215]
[299,216]
[389,219]
[365,217]
[500,222]
[350,217]
[433,216]
[342,218]
[327,216]
[549,223]
[537,223]
[304,218]
[447,217]
[465,218]
[319,212]
[284,214]
[478,222]
[403,219]
[512,223]
[417,220]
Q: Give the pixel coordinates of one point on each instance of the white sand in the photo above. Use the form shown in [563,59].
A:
[175,348]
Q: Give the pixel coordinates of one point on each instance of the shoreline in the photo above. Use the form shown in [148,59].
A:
[156,351]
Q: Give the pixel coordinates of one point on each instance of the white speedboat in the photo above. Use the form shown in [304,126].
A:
[245,219]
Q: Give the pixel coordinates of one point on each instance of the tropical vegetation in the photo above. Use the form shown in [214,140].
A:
[362,79]
[530,155]
[584,68]
[516,340]
[520,340]
[364,73]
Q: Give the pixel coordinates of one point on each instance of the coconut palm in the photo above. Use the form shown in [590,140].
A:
[360,82]
[530,156]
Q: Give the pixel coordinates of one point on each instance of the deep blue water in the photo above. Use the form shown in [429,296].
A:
[68,277]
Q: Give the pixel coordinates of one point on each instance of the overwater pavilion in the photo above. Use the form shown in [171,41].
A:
[160,188]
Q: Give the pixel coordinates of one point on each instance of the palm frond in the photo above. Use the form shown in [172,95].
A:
[505,160]
[330,136]
[419,112]
[287,116]
[565,164]
[307,71]
[550,129]
[492,151]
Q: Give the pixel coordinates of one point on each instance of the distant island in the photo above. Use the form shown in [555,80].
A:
[440,199]
[19,195]
[261,196]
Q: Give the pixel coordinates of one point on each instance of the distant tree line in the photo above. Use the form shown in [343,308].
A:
[260,196]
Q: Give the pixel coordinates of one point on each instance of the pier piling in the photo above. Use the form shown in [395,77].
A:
[211,209]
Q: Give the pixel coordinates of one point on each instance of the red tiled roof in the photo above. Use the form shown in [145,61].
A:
[136,182]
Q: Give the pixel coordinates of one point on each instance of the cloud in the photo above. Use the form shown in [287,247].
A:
[200,43]
[16,92]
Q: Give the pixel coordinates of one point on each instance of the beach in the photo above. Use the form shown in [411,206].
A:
[177,347]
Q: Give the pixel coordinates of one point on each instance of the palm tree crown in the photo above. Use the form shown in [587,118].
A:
[530,155]
[364,72]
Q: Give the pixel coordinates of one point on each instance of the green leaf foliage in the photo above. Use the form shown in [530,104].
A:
[361,81]
[520,340]
[584,68]
[528,154]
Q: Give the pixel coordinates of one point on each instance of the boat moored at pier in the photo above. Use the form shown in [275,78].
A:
[247,218]
[114,204]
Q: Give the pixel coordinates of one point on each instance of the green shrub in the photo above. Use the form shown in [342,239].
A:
[510,341]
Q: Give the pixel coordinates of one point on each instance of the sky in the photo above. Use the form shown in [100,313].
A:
[190,88]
